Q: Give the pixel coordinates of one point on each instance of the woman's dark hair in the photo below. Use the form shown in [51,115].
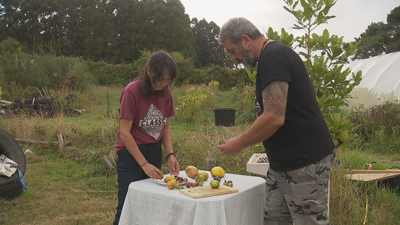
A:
[159,63]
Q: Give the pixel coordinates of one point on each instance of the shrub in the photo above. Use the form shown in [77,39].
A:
[372,119]
[379,126]
[24,72]
[108,74]
[186,69]
[245,103]
[192,105]
[226,77]
[324,59]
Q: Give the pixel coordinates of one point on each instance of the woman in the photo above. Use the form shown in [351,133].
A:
[146,105]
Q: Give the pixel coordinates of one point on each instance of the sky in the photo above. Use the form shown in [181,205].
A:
[352,16]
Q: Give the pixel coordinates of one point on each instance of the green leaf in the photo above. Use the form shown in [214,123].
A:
[344,136]
[304,4]
[307,14]
[325,36]
[337,52]
[295,4]
[252,75]
[287,9]
[297,27]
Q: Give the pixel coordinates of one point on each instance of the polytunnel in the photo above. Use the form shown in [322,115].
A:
[380,80]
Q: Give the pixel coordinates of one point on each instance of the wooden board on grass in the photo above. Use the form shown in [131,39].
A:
[207,191]
[372,175]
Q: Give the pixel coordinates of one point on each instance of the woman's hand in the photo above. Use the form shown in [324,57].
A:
[152,171]
[173,165]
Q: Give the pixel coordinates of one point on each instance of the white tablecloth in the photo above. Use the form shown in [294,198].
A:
[149,203]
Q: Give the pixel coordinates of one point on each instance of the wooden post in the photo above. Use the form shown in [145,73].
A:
[60,141]
[211,162]
[107,162]
[111,158]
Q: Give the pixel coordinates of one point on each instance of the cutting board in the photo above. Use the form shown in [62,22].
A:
[207,191]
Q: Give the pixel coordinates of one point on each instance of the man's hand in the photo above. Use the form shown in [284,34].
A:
[230,147]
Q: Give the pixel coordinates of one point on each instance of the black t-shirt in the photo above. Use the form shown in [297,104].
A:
[304,138]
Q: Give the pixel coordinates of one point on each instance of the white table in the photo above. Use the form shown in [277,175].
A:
[149,203]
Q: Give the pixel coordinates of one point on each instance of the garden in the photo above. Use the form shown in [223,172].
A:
[73,185]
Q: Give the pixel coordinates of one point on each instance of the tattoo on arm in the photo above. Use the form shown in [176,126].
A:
[274,97]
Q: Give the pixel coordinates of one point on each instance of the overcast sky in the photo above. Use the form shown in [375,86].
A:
[352,16]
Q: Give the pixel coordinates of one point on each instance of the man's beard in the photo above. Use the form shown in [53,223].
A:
[248,61]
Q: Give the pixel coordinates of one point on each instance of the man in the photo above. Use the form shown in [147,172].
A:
[290,125]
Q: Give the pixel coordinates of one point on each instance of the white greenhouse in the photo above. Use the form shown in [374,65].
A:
[380,80]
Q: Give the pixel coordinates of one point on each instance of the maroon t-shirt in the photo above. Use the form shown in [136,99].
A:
[149,114]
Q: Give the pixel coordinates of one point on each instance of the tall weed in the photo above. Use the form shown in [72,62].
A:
[244,100]
[371,119]
[379,126]
[193,148]
[38,129]
[67,101]
[361,203]
[22,73]
[191,106]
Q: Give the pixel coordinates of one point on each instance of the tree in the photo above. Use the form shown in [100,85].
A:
[113,31]
[20,19]
[91,33]
[152,25]
[2,22]
[128,22]
[178,30]
[393,20]
[209,51]
[373,41]
[324,59]
[380,37]
[70,27]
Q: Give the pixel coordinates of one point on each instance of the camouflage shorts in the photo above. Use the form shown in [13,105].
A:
[299,196]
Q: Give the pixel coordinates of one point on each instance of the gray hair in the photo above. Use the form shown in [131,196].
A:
[235,28]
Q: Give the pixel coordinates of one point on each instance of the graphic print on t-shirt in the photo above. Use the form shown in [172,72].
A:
[153,122]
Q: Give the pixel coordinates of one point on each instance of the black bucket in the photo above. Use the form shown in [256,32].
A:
[225,116]
[394,182]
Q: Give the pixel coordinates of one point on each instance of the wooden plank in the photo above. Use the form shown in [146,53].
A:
[44,144]
[207,191]
[371,177]
[372,171]
[391,161]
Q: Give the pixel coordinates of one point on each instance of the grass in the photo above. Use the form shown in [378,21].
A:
[62,192]
[74,186]
[361,203]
